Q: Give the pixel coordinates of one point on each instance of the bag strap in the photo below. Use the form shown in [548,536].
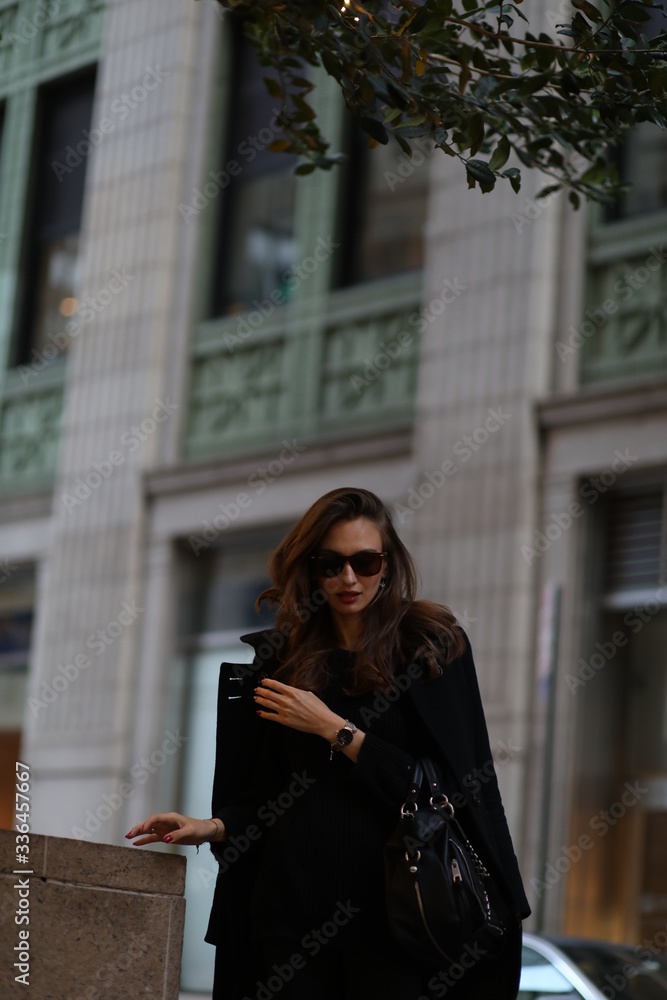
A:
[425,768]
[437,795]
[410,807]
[431,777]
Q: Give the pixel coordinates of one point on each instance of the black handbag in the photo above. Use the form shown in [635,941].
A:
[441,899]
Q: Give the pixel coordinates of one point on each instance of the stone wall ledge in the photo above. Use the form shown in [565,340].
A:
[80,862]
[104,922]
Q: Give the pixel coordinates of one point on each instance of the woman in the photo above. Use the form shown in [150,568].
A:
[316,745]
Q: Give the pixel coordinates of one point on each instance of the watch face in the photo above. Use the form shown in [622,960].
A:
[344,736]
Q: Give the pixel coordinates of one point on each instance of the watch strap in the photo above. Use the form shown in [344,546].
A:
[340,740]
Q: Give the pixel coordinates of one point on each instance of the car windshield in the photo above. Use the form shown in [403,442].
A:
[624,973]
[540,980]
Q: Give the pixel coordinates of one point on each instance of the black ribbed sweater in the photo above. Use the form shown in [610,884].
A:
[322,842]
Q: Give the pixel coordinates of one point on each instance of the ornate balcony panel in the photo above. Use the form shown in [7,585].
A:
[370,368]
[623,332]
[37,35]
[345,361]
[235,396]
[77,23]
[10,37]
[30,426]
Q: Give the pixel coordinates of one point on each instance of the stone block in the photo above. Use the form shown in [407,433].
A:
[103,922]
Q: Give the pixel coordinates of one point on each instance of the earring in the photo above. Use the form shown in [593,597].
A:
[383,583]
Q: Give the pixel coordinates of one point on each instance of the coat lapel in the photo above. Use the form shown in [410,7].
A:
[438,703]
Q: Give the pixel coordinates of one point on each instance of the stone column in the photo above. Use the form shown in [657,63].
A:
[490,291]
[123,409]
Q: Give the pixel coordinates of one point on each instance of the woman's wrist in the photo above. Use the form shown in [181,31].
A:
[219,831]
[335,724]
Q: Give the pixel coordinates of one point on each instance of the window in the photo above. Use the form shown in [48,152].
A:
[643,163]
[634,544]
[218,592]
[257,241]
[619,681]
[642,159]
[382,208]
[51,251]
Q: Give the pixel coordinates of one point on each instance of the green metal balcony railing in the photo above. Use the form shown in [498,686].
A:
[623,333]
[351,363]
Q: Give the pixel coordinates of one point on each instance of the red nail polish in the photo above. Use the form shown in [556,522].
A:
[167,839]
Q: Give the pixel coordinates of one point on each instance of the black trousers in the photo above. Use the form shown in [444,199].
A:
[289,974]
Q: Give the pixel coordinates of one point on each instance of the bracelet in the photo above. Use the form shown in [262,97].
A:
[216,831]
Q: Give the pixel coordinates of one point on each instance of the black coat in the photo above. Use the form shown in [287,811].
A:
[451,709]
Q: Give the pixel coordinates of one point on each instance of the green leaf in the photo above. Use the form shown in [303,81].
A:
[305,168]
[595,173]
[404,144]
[464,77]
[375,129]
[591,12]
[479,169]
[531,84]
[546,191]
[513,174]
[500,154]
[301,81]
[575,200]
[475,134]
[274,88]
[411,131]
[415,120]
[330,63]
[633,12]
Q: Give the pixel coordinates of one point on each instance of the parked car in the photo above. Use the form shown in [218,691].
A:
[572,968]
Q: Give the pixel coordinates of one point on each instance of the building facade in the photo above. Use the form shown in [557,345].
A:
[197,343]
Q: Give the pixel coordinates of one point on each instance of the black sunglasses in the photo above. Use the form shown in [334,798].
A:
[362,563]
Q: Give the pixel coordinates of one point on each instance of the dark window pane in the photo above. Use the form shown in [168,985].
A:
[55,282]
[257,244]
[635,974]
[15,631]
[382,209]
[644,165]
[52,238]
[642,159]
[220,588]
[259,240]
[633,550]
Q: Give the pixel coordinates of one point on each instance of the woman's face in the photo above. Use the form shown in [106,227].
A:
[348,594]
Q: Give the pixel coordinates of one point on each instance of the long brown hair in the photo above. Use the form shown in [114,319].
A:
[398,628]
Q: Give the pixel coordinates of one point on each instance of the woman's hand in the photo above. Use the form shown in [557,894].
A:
[173,828]
[302,710]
